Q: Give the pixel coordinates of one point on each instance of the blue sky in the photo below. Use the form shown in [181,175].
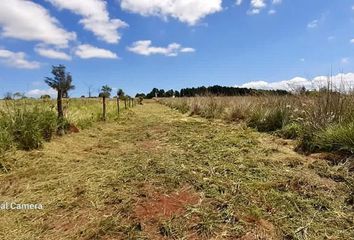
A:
[138,44]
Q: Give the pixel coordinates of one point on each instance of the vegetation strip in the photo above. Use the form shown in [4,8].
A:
[320,121]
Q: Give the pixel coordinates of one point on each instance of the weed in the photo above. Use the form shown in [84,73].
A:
[269,120]
[338,137]
[291,131]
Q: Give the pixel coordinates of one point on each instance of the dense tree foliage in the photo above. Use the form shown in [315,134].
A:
[227,91]
[120,93]
[213,90]
[45,97]
[139,95]
[8,96]
[105,91]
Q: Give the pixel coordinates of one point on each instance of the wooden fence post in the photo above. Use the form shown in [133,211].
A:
[104,108]
[118,107]
[125,103]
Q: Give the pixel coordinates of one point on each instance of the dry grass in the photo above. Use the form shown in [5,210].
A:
[217,181]
[312,118]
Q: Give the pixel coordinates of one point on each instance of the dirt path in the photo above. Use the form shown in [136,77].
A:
[157,174]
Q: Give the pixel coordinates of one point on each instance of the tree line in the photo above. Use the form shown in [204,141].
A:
[212,90]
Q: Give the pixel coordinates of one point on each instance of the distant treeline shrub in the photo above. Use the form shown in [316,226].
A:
[213,90]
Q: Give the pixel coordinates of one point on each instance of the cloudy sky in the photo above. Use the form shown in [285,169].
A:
[140,44]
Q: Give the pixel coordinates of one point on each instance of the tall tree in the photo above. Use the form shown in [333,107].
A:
[62,83]
[120,93]
[18,95]
[8,96]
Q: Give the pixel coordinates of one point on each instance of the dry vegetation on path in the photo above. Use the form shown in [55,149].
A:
[158,174]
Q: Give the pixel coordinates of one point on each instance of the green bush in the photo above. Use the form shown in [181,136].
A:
[85,123]
[307,142]
[5,140]
[291,131]
[30,127]
[268,120]
[338,137]
[47,121]
[25,130]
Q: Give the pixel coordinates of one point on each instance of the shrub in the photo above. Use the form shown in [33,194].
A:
[183,107]
[5,140]
[236,114]
[306,142]
[195,108]
[29,128]
[291,131]
[212,108]
[25,130]
[268,120]
[47,121]
[338,137]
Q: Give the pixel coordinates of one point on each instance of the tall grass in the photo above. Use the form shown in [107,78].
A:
[321,121]
[26,124]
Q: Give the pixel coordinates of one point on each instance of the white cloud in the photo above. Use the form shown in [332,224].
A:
[238,2]
[344,60]
[256,85]
[339,81]
[258,3]
[87,51]
[256,6]
[352,41]
[29,21]
[95,17]
[52,53]
[36,93]
[187,50]
[253,11]
[302,59]
[188,11]
[145,48]
[17,60]
[313,24]
[272,12]
[277,2]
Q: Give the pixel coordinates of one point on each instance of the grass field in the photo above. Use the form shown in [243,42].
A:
[158,174]
[321,121]
[26,124]
[81,112]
